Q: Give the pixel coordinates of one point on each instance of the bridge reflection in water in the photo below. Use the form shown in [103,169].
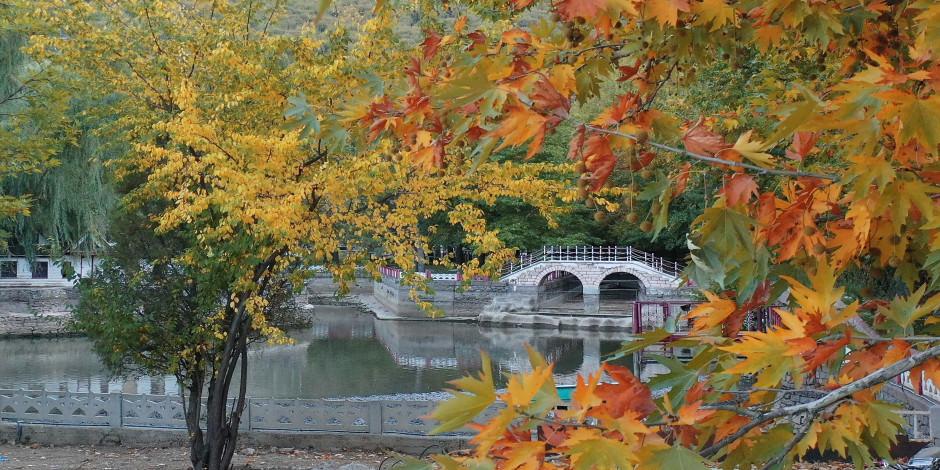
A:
[344,353]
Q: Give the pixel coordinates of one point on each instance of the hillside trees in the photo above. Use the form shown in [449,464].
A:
[246,148]
[844,179]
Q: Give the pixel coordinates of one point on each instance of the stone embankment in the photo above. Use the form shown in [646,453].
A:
[35,311]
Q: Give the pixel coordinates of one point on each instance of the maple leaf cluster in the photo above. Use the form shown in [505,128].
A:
[843,179]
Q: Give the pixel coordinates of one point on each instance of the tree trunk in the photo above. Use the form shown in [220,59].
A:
[221,421]
[198,452]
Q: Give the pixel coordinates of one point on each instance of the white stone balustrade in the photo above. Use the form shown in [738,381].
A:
[261,414]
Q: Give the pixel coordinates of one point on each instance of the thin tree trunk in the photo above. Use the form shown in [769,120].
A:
[235,418]
[222,425]
[198,452]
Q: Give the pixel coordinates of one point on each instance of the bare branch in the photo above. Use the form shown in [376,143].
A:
[797,437]
[870,380]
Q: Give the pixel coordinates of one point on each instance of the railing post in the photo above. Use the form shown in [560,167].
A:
[375,417]
[934,420]
[116,410]
[248,412]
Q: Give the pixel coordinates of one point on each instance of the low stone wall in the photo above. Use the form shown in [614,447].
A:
[47,434]
[452,297]
[35,311]
[69,418]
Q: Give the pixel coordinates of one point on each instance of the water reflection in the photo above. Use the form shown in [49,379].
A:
[344,353]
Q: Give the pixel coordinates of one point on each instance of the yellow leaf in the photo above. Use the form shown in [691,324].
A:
[526,455]
[715,12]
[772,354]
[712,313]
[666,12]
[768,36]
[471,397]
[752,150]
[822,296]
[589,449]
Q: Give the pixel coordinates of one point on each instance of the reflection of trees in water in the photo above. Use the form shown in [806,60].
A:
[344,353]
[46,361]
[364,367]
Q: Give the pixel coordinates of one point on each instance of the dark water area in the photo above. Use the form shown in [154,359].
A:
[344,353]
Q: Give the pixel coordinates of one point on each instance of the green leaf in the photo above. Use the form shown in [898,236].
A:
[801,113]
[642,341]
[906,310]
[674,458]
[921,119]
[600,452]
[588,78]
[301,115]
[465,88]
[763,448]
[677,381]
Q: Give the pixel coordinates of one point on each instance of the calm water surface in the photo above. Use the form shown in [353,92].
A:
[344,353]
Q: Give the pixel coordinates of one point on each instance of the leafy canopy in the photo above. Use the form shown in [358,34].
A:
[822,172]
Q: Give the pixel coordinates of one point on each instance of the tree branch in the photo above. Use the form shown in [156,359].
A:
[804,429]
[709,159]
[875,378]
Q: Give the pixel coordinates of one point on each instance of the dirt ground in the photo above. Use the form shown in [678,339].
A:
[121,458]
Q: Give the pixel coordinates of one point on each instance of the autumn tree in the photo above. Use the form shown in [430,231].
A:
[841,176]
[246,147]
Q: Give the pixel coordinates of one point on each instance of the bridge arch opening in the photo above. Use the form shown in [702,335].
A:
[560,290]
[618,287]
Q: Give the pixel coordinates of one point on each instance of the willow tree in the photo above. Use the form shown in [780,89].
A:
[843,178]
[200,90]
[31,116]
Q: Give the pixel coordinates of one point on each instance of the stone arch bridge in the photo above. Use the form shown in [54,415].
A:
[591,266]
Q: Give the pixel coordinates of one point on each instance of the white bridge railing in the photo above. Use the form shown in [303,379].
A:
[594,253]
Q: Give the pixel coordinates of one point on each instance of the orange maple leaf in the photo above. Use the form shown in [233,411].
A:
[587,9]
[628,394]
[432,40]
[666,12]
[712,313]
[682,178]
[520,125]
[803,144]
[739,189]
[698,139]
[613,115]
[599,159]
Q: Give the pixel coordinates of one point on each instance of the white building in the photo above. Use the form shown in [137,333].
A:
[43,271]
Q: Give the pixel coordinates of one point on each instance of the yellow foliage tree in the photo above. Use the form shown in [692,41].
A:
[249,144]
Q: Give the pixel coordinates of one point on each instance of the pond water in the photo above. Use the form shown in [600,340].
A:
[344,353]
